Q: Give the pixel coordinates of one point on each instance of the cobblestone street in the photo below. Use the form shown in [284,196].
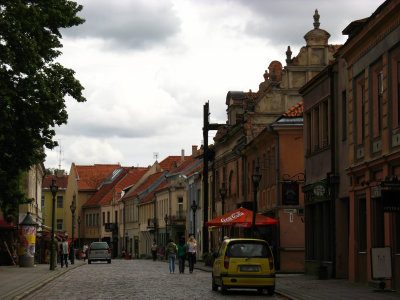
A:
[136,279]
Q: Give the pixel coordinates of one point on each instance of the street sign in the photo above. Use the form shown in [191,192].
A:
[381,263]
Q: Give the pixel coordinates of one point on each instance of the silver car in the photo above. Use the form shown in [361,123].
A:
[99,251]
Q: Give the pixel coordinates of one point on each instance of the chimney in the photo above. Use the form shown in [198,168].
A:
[182,155]
[194,151]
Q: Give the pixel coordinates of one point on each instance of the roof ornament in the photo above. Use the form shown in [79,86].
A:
[273,75]
[288,55]
[266,75]
[316,20]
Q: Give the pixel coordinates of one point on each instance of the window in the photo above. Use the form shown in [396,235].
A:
[108,217]
[360,110]
[104,217]
[43,201]
[97,219]
[377,94]
[60,200]
[380,99]
[116,216]
[393,82]
[378,224]
[362,225]
[59,224]
[308,132]
[344,116]
[325,124]
[396,89]
[87,220]
[397,232]
[315,126]
[180,207]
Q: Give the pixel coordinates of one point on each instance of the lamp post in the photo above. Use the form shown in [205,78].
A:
[194,208]
[166,228]
[155,230]
[54,190]
[73,208]
[256,178]
[79,232]
[222,192]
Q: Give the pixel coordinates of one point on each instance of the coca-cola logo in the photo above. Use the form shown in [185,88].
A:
[232,217]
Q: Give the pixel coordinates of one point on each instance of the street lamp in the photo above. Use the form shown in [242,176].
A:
[166,228]
[256,178]
[73,208]
[79,232]
[222,192]
[54,190]
[194,208]
[155,230]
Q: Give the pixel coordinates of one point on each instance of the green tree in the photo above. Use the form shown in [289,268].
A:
[33,87]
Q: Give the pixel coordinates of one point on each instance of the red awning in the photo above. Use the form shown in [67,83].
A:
[70,240]
[4,224]
[241,217]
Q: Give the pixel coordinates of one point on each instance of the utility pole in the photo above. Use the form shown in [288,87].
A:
[206,157]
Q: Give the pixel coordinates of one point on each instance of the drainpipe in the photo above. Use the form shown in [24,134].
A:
[332,174]
[278,194]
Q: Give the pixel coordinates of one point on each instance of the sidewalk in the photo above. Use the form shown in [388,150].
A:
[16,282]
[302,287]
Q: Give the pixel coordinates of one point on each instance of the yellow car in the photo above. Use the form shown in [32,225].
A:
[244,263]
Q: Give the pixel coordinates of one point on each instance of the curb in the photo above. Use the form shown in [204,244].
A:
[43,283]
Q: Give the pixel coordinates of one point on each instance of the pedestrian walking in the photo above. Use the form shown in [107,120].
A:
[64,249]
[182,254]
[85,251]
[171,251]
[154,250]
[192,252]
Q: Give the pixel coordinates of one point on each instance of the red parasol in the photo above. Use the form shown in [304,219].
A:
[241,217]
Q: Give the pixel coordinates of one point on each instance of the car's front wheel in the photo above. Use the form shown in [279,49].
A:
[109,261]
[89,261]
[223,288]
[214,285]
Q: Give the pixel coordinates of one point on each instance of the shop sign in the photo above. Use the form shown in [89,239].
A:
[290,193]
[376,192]
[391,200]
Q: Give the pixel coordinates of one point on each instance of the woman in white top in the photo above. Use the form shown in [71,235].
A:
[192,252]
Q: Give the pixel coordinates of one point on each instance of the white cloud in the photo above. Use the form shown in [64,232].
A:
[148,67]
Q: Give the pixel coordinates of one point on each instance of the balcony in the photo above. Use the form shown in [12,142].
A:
[110,227]
[151,224]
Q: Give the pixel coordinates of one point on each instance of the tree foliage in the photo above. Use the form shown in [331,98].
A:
[33,87]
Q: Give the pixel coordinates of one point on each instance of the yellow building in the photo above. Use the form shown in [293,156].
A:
[60,203]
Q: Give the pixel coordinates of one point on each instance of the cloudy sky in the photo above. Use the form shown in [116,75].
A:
[148,67]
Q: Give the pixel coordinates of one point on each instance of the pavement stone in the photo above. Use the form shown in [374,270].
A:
[18,283]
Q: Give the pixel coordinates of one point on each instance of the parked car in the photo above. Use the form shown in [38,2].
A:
[244,263]
[99,251]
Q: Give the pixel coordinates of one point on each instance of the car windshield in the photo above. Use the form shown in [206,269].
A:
[248,249]
[99,246]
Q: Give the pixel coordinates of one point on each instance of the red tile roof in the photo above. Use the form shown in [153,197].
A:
[295,111]
[91,177]
[61,182]
[128,177]
[105,194]
[170,163]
